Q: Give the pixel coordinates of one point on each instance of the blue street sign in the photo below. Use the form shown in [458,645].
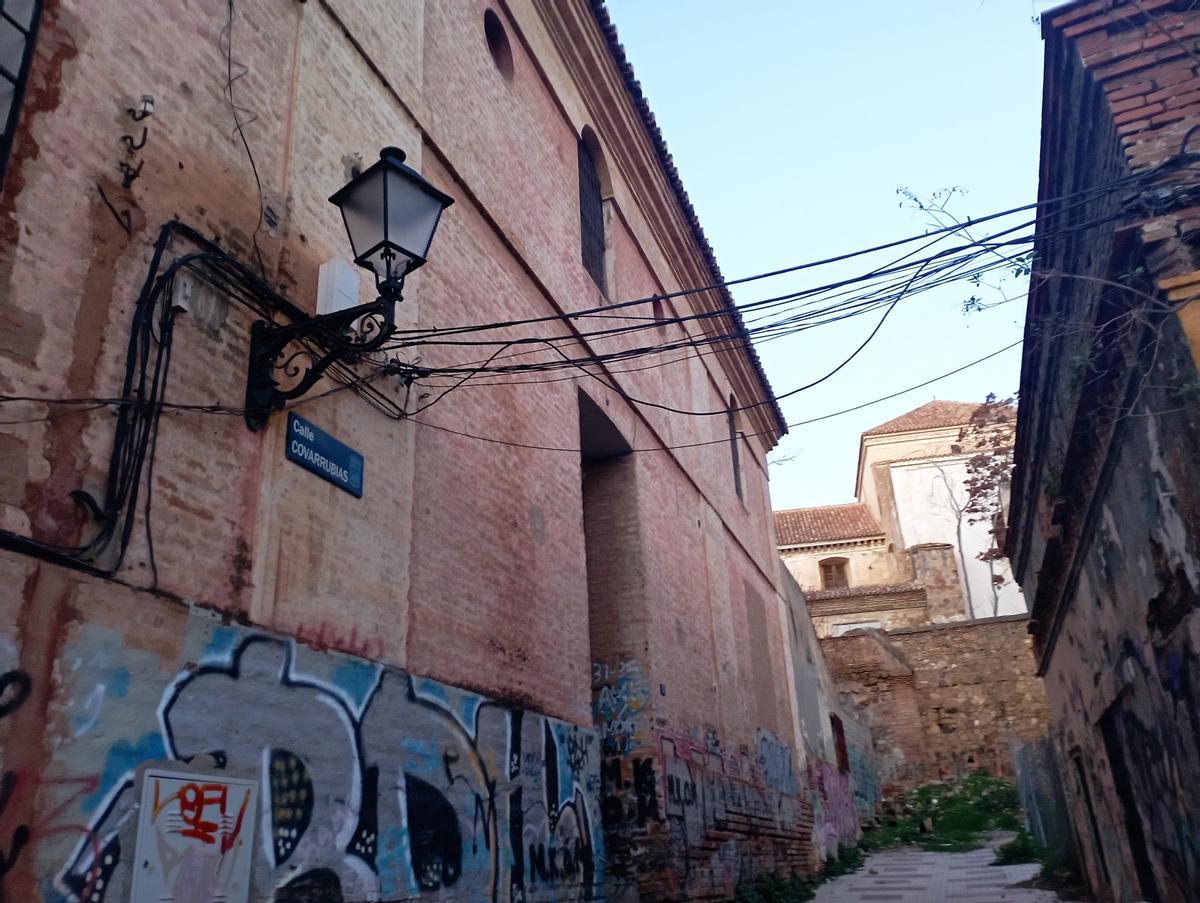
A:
[314,449]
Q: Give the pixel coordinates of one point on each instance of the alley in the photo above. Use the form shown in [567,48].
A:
[911,875]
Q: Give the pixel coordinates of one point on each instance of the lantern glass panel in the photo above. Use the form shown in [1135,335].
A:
[363,210]
[413,213]
[391,214]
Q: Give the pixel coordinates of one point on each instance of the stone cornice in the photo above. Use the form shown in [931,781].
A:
[837,546]
[615,117]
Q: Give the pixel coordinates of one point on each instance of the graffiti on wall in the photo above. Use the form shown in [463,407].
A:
[373,782]
[775,762]
[716,805]
[864,778]
[620,694]
[193,839]
[835,813]
[15,686]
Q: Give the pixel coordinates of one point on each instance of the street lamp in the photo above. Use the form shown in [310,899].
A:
[390,213]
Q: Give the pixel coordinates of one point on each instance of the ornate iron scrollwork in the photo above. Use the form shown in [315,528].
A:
[279,371]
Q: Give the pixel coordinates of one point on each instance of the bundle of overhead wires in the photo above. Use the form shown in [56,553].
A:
[598,343]
[538,349]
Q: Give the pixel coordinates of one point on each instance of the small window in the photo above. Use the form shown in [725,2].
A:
[833,574]
[839,742]
[18,30]
[591,216]
[497,42]
[735,452]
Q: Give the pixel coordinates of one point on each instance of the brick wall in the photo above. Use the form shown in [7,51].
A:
[1102,535]
[902,606]
[466,562]
[877,684]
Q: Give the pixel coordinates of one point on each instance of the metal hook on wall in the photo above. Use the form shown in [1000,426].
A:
[131,145]
[129,174]
[144,108]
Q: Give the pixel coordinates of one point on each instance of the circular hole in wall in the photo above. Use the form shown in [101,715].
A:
[497,41]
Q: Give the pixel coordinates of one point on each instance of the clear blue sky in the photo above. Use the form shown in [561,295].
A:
[792,124]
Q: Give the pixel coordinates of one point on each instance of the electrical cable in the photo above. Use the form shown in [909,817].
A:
[693,343]
[1182,158]
[239,128]
[141,400]
[796,424]
[988,247]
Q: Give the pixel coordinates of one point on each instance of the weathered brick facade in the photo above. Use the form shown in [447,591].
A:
[504,672]
[943,699]
[1103,534]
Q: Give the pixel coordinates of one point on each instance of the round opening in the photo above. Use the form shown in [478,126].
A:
[497,41]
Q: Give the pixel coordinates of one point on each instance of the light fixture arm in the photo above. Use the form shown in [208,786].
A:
[390,212]
[301,370]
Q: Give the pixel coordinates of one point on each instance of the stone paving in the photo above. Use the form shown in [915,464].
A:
[912,875]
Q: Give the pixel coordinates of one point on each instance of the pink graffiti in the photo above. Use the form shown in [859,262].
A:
[740,764]
[839,818]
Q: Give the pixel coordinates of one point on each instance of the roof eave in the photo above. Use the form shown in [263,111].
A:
[633,87]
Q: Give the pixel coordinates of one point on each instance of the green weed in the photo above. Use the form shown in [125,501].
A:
[1022,848]
[949,817]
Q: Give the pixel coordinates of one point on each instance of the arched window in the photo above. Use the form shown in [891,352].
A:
[592,178]
[734,451]
[834,573]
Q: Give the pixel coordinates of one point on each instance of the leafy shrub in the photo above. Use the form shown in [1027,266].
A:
[847,860]
[949,817]
[942,817]
[1022,848]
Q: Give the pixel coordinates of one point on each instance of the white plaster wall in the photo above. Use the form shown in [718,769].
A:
[891,447]
[865,566]
[926,513]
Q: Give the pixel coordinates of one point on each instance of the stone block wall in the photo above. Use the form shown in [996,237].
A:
[978,691]
[935,567]
[943,700]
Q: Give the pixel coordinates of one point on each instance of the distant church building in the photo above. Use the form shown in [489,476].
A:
[908,551]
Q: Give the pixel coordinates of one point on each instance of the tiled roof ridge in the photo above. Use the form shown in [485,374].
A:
[880,589]
[667,162]
[817,507]
[826,523]
[935,414]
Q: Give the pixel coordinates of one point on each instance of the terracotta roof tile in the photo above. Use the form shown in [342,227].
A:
[798,526]
[928,416]
[851,592]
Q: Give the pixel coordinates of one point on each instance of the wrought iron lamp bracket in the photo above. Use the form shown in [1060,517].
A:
[331,333]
